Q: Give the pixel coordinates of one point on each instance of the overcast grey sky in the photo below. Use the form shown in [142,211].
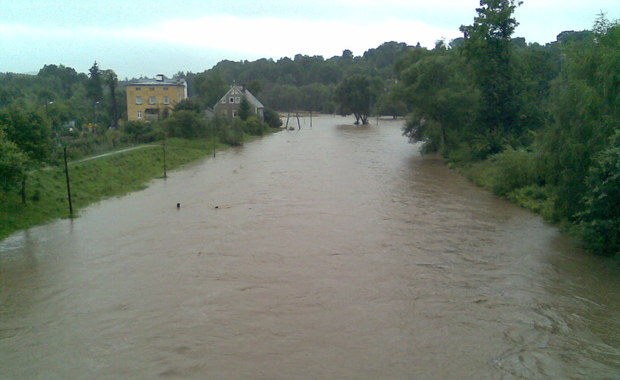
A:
[139,37]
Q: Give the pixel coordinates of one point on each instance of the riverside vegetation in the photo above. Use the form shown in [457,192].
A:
[537,124]
[45,195]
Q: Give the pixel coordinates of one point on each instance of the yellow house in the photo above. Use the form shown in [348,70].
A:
[152,99]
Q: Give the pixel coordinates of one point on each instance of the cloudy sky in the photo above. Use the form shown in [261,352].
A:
[139,37]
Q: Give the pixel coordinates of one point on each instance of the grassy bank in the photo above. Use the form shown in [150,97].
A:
[94,180]
[512,175]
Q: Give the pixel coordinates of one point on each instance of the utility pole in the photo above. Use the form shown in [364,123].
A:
[68,183]
[164,146]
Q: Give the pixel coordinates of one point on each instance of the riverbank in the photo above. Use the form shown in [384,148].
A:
[514,176]
[96,178]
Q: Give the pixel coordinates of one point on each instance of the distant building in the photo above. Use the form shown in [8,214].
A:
[228,106]
[152,99]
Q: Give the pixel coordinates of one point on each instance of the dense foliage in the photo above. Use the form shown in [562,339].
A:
[536,124]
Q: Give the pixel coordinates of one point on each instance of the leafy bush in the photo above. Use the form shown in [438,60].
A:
[505,172]
[254,127]
[272,118]
[185,124]
[232,135]
[599,224]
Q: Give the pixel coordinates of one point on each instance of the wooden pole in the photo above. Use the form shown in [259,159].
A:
[310,119]
[164,146]
[68,182]
[298,123]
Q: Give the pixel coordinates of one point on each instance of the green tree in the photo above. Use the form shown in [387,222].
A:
[585,105]
[188,104]
[600,221]
[111,80]
[12,163]
[255,86]
[488,50]
[443,101]
[30,132]
[138,131]
[272,118]
[186,124]
[245,109]
[94,85]
[353,96]
[209,87]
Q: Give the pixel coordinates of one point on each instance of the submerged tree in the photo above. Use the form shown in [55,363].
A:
[353,96]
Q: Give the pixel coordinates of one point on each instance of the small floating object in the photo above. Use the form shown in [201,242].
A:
[178,205]
[217,206]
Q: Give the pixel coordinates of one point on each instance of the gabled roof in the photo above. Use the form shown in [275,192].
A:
[248,95]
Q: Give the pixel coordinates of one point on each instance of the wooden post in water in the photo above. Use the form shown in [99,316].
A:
[68,183]
[310,119]
[288,116]
[298,123]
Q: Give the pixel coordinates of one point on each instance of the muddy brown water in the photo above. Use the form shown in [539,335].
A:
[331,252]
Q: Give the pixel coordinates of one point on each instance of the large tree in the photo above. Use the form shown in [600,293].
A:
[12,162]
[31,133]
[111,80]
[94,86]
[442,98]
[353,96]
[488,49]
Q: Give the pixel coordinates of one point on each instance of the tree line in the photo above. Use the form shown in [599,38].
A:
[537,124]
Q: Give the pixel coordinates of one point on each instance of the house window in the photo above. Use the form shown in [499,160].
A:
[237,100]
[223,101]
[138,88]
[138,100]
[231,100]
[152,100]
[139,114]
[234,113]
[166,100]
[151,88]
[165,88]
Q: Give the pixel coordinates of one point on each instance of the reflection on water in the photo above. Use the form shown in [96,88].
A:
[331,252]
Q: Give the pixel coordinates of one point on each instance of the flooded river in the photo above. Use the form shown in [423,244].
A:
[331,252]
